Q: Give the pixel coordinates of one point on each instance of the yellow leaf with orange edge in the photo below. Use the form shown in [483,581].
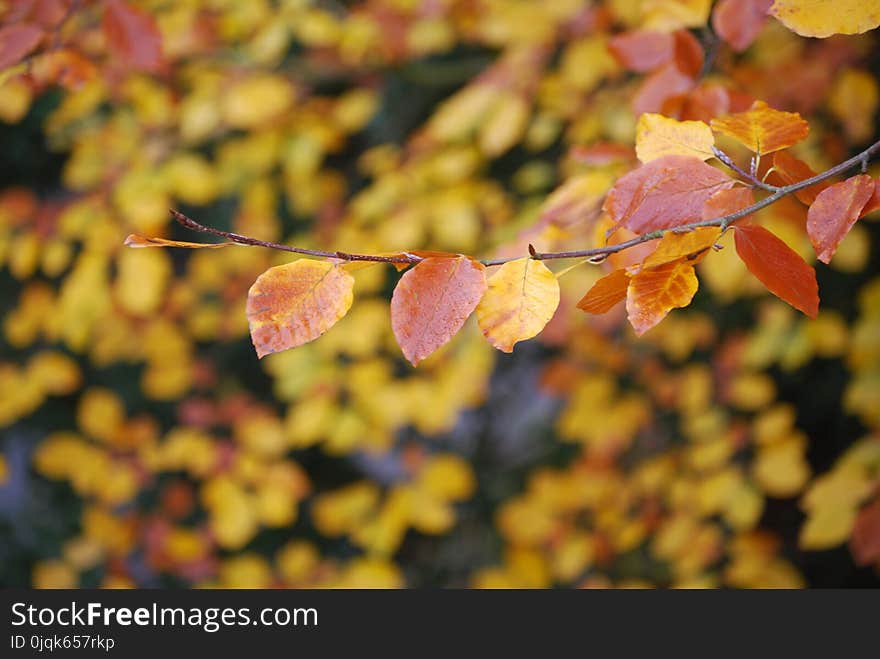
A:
[653,293]
[521,298]
[691,246]
[658,136]
[292,304]
[763,129]
[822,18]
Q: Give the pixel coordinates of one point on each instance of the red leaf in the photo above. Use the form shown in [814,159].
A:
[834,213]
[688,53]
[787,170]
[16,41]
[874,202]
[661,87]
[778,267]
[641,50]
[132,36]
[727,202]
[605,293]
[865,540]
[432,301]
[738,22]
[664,193]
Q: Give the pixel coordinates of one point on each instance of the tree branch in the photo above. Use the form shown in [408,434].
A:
[596,254]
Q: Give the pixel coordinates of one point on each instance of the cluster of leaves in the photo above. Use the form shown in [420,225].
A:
[317,125]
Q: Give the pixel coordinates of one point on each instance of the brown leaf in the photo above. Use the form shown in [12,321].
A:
[432,301]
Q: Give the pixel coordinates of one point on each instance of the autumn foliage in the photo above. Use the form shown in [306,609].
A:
[259,296]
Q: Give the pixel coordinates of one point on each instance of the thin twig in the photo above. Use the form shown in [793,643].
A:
[190,223]
[723,223]
[751,178]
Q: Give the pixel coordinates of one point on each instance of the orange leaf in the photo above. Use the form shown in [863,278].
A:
[16,41]
[763,129]
[432,301]
[865,540]
[727,202]
[132,36]
[63,66]
[787,170]
[691,246]
[137,241]
[664,193]
[835,211]
[778,267]
[605,293]
[653,293]
[688,53]
[292,304]
[738,22]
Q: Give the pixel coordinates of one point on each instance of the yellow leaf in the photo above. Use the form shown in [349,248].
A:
[853,101]
[297,302]
[826,528]
[658,136]
[671,15]
[142,279]
[822,18]
[257,100]
[521,299]
[781,469]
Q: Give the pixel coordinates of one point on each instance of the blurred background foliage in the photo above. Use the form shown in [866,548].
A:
[143,443]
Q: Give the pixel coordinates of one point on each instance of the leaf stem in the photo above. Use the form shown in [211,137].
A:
[777,193]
